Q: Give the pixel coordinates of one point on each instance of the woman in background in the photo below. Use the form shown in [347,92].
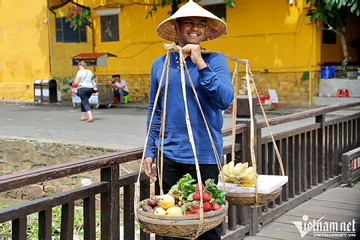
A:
[85,89]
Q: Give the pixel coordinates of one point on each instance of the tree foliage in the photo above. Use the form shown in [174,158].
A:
[334,13]
[328,12]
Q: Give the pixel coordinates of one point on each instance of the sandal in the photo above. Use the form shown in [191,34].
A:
[90,120]
[82,119]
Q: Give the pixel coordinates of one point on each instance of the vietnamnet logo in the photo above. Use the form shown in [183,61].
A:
[321,228]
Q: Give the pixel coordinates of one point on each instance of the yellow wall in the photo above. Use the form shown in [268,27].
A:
[24,47]
[278,42]
[61,53]
[138,43]
[281,43]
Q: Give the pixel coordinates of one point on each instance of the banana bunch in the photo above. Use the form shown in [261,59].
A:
[240,174]
[246,178]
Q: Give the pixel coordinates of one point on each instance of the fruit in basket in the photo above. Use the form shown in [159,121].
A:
[240,174]
[152,202]
[174,211]
[205,195]
[160,211]
[215,206]
[206,206]
[239,167]
[167,201]
[231,172]
[246,178]
[197,187]
[146,207]
[187,195]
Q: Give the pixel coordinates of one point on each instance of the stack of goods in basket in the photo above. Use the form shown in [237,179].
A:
[240,185]
[241,174]
[184,199]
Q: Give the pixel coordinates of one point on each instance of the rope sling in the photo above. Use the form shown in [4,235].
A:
[183,69]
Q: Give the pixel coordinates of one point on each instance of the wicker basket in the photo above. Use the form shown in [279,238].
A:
[185,226]
[248,199]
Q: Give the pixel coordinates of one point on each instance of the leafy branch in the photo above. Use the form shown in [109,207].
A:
[78,17]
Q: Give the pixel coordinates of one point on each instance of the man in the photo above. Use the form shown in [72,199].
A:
[120,88]
[210,74]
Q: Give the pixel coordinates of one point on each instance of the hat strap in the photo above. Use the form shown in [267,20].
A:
[178,29]
[212,32]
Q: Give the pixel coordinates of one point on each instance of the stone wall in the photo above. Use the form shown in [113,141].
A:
[138,84]
[19,154]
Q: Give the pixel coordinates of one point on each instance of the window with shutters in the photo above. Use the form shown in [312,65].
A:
[109,28]
[65,34]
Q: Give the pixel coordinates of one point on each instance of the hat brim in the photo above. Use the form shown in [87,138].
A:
[215,27]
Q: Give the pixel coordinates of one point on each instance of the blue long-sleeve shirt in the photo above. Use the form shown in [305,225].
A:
[215,93]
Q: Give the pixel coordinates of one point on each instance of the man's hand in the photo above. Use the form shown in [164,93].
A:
[195,54]
[148,168]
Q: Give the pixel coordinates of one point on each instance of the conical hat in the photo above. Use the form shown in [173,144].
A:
[215,26]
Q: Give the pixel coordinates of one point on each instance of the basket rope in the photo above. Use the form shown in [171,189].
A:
[235,79]
[191,137]
[162,130]
[249,76]
[137,184]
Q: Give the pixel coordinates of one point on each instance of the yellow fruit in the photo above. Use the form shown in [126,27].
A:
[246,184]
[248,171]
[167,201]
[231,167]
[226,170]
[226,178]
[245,180]
[160,211]
[240,174]
[239,168]
[174,211]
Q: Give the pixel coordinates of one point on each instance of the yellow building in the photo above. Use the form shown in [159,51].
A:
[275,36]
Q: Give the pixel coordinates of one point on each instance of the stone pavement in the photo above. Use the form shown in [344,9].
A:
[120,127]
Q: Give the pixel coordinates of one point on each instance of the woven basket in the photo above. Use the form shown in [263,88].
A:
[248,199]
[185,226]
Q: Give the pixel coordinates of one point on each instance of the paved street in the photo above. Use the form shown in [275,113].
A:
[121,127]
[115,128]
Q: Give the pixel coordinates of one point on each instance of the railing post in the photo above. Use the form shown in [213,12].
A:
[45,228]
[243,117]
[129,217]
[89,218]
[144,194]
[321,141]
[345,168]
[110,219]
[19,227]
[67,221]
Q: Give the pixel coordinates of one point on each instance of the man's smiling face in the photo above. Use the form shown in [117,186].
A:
[192,30]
